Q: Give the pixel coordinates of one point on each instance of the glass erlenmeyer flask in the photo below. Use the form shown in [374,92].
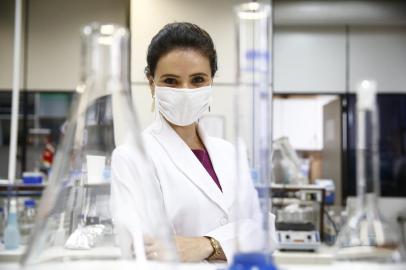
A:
[253,102]
[88,211]
[367,236]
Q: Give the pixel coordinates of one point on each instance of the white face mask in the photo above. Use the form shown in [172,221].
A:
[183,106]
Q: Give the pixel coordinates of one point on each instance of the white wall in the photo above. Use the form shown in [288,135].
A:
[54,39]
[216,17]
[6,43]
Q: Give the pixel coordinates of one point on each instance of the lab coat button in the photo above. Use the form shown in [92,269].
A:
[224,221]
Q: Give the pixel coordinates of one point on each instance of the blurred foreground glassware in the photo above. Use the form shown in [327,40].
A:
[75,220]
[366,236]
[253,102]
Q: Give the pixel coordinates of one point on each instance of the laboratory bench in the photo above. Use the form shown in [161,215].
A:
[321,260]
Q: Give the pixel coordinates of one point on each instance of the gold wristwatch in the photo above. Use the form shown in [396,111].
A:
[217,250]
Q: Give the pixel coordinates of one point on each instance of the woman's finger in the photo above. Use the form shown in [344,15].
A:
[154,255]
[148,240]
[151,248]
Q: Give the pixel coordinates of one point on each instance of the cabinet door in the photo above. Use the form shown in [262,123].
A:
[378,53]
[309,59]
[300,120]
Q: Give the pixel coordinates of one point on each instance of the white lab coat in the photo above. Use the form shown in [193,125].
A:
[193,203]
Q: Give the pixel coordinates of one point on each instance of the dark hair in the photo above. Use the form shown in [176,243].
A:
[180,35]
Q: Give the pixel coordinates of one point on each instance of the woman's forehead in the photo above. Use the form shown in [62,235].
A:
[183,62]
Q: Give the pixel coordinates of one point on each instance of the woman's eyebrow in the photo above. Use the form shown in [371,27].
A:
[199,74]
[170,75]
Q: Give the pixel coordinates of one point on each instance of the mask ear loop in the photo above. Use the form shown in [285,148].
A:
[154,107]
[211,86]
[153,104]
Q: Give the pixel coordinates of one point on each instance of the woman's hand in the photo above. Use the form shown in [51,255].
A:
[193,249]
[154,249]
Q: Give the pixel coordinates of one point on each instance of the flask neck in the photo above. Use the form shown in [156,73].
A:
[105,58]
[12,219]
[367,159]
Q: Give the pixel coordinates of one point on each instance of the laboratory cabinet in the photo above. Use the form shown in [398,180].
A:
[378,53]
[309,59]
[41,118]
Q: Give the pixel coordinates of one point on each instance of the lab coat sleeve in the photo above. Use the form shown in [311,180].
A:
[250,220]
[126,200]
[248,235]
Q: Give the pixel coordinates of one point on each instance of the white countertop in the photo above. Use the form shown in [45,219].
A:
[325,255]
[131,265]
[321,260]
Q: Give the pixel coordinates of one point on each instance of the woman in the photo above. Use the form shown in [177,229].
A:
[196,172]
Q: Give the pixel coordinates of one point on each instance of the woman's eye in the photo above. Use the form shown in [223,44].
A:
[170,81]
[198,80]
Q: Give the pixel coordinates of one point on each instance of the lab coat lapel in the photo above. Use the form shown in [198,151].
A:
[223,166]
[185,161]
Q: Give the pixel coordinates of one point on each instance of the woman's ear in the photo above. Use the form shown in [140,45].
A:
[151,84]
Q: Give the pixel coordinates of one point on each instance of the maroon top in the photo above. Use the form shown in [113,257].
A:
[204,158]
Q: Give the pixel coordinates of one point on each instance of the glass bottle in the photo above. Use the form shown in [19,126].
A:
[12,232]
[27,220]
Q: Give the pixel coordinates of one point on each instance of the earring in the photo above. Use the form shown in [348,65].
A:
[153,104]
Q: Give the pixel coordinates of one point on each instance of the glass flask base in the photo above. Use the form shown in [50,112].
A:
[250,261]
[369,254]
[367,237]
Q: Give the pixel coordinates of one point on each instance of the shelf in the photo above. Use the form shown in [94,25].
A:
[296,187]
[21,189]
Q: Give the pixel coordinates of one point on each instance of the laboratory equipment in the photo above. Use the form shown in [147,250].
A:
[299,216]
[77,218]
[12,231]
[27,220]
[303,238]
[296,229]
[253,101]
[367,236]
[286,167]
